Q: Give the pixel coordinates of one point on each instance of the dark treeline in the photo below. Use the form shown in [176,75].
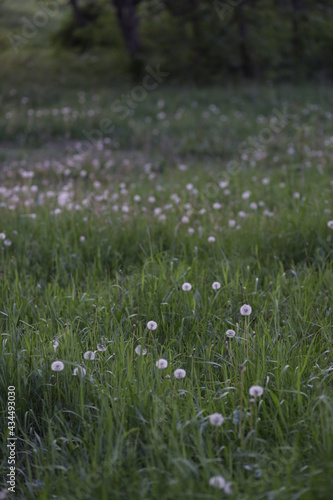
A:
[209,39]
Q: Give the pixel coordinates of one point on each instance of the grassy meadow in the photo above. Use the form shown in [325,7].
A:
[98,238]
[124,209]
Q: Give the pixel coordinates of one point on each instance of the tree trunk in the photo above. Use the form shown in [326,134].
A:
[246,59]
[129,25]
[296,37]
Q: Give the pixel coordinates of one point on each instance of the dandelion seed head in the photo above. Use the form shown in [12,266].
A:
[179,373]
[101,347]
[89,355]
[139,351]
[245,310]
[230,333]
[246,195]
[228,488]
[161,364]
[55,344]
[256,391]
[216,419]
[57,366]
[217,482]
[186,287]
[216,285]
[79,371]
[151,325]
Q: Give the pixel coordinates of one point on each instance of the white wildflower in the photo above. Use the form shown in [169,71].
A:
[161,364]
[179,373]
[245,310]
[57,366]
[216,419]
[256,391]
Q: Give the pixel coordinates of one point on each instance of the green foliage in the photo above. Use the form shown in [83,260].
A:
[126,429]
[206,42]
[99,29]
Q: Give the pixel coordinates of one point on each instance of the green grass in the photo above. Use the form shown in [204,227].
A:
[125,429]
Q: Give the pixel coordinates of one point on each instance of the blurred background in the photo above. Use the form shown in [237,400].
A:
[163,81]
[196,41]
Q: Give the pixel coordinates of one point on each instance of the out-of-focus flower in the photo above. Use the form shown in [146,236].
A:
[162,364]
[245,310]
[179,373]
[216,419]
[57,366]
[256,391]
[186,287]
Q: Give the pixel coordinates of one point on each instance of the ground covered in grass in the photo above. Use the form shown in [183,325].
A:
[197,202]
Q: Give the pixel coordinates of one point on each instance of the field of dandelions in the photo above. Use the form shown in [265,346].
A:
[166,293]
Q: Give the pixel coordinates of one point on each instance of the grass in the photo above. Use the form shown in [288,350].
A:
[85,262]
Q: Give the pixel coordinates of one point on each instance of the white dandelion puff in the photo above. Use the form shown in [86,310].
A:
[55,344]
[79,371]
[217,206]
[216,419]
[101,347]
[151,325]
[217,482]
[230,333]
[139,351]
[3,494]
[330,224]
[211,239]
[216,285]
[179,373]
[245,310]
[57,366]
[186,287]
[246,195]
[89,355]
[228,488]
[256,391]
[161,364]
